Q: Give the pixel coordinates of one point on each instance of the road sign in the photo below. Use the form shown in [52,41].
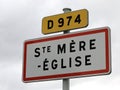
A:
[71,55]
[65,21]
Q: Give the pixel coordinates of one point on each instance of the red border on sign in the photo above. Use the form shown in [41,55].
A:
[76,74]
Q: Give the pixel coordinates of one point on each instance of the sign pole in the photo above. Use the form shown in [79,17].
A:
[65,84]
[66,81]
[65,11]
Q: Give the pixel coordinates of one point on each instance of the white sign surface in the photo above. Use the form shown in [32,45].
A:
[77,54]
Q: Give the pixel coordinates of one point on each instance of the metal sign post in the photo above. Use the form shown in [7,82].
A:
[70,55]
[66,81]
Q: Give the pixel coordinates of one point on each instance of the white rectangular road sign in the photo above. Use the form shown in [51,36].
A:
[77,54]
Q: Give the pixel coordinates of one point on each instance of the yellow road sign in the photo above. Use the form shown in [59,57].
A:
[65,21]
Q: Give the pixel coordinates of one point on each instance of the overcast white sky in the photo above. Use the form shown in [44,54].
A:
[21,20]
